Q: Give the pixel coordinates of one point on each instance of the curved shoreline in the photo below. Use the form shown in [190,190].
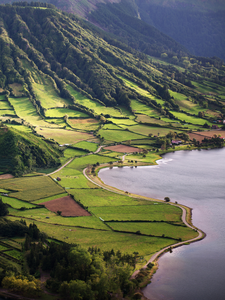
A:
[155,257]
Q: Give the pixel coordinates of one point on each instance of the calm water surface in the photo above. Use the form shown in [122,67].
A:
[196,179]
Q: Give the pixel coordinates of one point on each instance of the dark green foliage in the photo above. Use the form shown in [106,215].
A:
[21,153]
[12,228]
[3,208]
[121,20]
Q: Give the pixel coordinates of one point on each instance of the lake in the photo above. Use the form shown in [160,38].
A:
[196,179]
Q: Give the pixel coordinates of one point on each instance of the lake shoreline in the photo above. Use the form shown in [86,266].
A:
[186,218]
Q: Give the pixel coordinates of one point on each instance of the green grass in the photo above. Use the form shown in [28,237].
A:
[142,91]
[20,127]
[118,135]
[15,203]
[101,197]
[75,181]
[106,240]
[2,248]
[146,130]
[152,212]
[149,158]
[5,105]
[5,112]
[31,188]
[95,106]
[25,110]
[69,152]
[63,136]
[111,127]
[61,112]
[50,198]
[47,95]
[14,253]
[189,119]
[12,243]
[81,162]
[35,214]
[92,147]
[141,108]
[2,97]
[122,121]
[147,119]
[156,229]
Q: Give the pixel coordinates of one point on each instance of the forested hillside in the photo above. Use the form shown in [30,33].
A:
[57,70]
[196,25]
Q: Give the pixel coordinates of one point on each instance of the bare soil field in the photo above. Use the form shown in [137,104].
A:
[123,148]
[6,176]
[67,206]
[199,136]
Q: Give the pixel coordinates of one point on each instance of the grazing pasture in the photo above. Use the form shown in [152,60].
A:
[100,197]
[92,147]
[155,228]
[146,130]
[61,112]
[15,203]
[94,105]
[189,119]
[159,212]
[26,111]
[123,149]
[118,135]
[87,124]
[105,239]
[63,136]
[31,188]
[47,95]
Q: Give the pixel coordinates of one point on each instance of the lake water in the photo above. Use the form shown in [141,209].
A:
[196,179]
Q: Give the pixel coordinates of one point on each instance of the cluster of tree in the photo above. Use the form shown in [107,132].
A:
[215,141]
[20,153]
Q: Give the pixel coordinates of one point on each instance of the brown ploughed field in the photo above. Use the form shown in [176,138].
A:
[67,206]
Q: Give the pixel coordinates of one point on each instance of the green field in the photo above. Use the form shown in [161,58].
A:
[101,197]
[31,188]
[122,121]
[118,135]
[15,203]
[69,152]
[106,240]
[6,112]
[5,105]
[141,108]
[50,198]
[155,228]
[48,96]
[189,119]
[81,162]
[159,212]
[92,147]
[146,130]
[61,112]
[95,106]
[25,110]
[63,136]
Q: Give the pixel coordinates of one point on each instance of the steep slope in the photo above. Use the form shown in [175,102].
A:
[23,152]
[197,25]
